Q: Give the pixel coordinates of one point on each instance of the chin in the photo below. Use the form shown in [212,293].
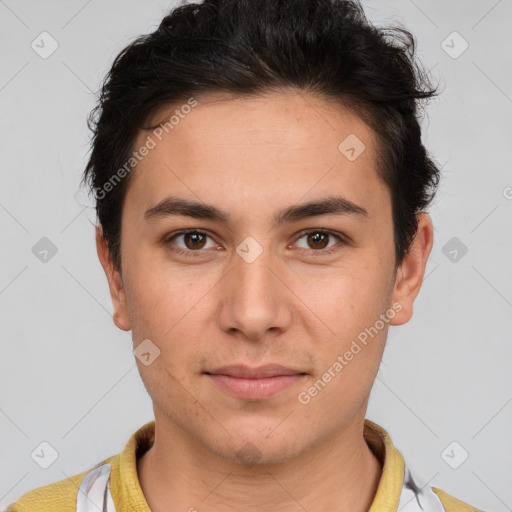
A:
[258,445]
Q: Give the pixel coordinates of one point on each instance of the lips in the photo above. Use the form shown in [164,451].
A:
[260,372]
[255,383]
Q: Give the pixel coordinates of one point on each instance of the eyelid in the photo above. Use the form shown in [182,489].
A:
[170,237]
[325,231]
[342,240]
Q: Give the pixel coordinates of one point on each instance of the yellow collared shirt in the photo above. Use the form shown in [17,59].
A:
[113,484]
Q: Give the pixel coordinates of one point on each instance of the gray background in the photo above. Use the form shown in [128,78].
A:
[68,375]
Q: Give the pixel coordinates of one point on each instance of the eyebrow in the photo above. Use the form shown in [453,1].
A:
[333,205]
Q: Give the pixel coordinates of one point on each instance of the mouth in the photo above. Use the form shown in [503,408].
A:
[255,383]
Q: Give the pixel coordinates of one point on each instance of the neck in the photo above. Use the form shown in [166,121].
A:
[341,473]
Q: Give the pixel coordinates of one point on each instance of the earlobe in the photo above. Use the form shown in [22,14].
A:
[115,282]
[409,276]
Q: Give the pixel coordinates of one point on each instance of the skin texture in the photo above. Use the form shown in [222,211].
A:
[253,157]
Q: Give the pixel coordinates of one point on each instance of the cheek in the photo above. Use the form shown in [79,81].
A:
[348,359]
[160,294]
[170,309]
[351,336]
[349,298]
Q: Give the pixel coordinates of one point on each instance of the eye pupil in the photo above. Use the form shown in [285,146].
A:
[318,238]
[197,238]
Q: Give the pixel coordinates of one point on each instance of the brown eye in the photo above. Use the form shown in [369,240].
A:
[318,240]
[194,240]
[189,241]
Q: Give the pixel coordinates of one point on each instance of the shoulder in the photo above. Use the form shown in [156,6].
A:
[399,487]
[61,496]
[452,504]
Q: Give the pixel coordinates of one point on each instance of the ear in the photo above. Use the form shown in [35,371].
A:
[115,282]
[409,276]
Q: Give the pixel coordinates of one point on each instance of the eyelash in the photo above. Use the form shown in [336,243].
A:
[319,252]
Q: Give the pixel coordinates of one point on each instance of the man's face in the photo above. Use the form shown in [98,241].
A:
[252,291]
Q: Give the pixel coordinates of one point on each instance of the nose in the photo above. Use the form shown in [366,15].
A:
[255,300]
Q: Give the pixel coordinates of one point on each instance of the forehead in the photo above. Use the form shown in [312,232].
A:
[287,118]
[275,147]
